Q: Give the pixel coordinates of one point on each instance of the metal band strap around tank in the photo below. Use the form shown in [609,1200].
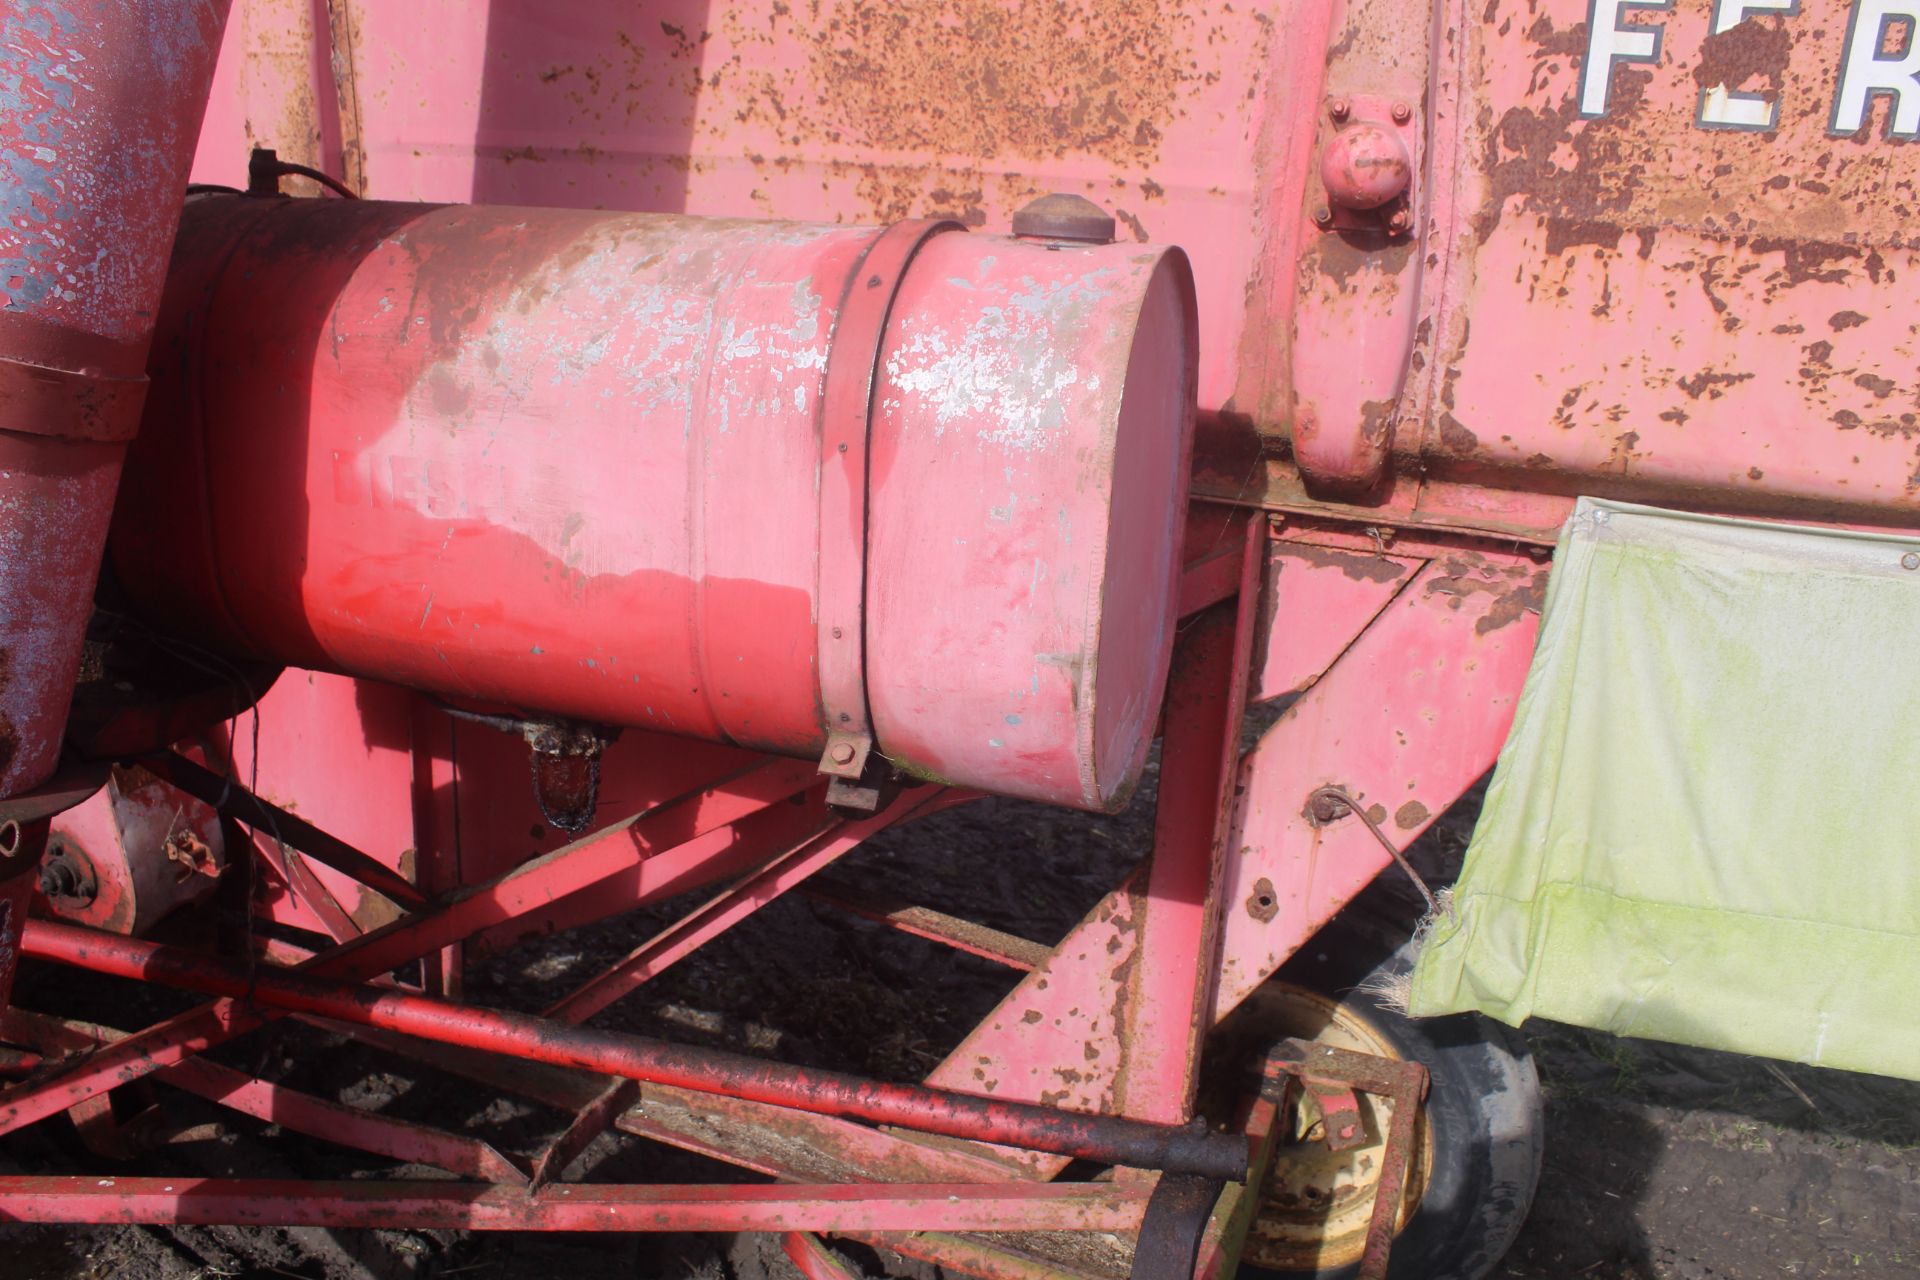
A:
[36,399]
[846,416]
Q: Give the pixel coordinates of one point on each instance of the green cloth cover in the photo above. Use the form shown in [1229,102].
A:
[1703,826]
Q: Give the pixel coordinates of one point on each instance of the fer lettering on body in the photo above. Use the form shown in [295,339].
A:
[1880,58]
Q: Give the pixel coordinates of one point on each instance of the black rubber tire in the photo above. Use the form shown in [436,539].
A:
[1483,1109]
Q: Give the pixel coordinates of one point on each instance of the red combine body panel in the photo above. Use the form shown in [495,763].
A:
[767,424]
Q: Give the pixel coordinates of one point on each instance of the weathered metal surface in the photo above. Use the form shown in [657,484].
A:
[141,848]
[816,1262]
[463,399]
[1109,1140]
[317,1117]
[727,909]
[835,111]
[1220,1248]
[1170,983]
[235,801]
[21,844]
[1361,263]
[1646,298]
[1111,1021]
[936,926]
[1412,713]
[845,478]
[426,1206]
[1296,644]
[1403,1082]
[98,108]
[695,829]
[795,1146]
[1205,124]
[1607,281]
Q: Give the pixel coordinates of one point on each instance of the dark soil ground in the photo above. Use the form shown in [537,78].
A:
[1662,1163]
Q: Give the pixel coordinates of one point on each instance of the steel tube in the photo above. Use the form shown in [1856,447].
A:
[682,835]
[1105,1139]
[959,1206]
[98,117]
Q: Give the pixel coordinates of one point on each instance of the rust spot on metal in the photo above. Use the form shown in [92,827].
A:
[1750,55]
[1262,904]
[980,79]
[1355,260]
[1454,437]
[1354,564]
[1623,455]
[1807,260]
[1376,420]
[1841,320]
[1590,199]
[1410,815]
[1510,591]
[1709,384]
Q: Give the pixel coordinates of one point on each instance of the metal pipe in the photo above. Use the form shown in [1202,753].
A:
[98,118]
[1105,1139]
[421,1205]
[677,840]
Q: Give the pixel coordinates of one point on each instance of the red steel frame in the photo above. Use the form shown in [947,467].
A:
[1271,607]
[1400,652]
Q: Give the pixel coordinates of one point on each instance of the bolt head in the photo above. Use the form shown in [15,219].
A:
[1402,113]
[1400,220]
[1323,216]
[1339,109]
[1911,560]
[843,753]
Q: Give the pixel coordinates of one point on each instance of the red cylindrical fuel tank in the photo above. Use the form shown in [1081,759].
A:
[582,464]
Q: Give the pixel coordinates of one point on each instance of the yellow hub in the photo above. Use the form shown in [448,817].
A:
[1316,1203]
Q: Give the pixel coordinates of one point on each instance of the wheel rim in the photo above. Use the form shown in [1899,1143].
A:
[1315,1204]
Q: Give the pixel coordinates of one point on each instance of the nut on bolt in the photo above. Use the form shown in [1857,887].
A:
[842,753]
[1339,109]
[1323,215]
[1402,113]
[1400,220]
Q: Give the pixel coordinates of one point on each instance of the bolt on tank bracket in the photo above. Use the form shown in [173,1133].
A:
[859,772]
[1369,170]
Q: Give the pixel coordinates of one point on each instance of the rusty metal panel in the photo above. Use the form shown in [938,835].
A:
[1643,300]
[1165,113]
[1648,296]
